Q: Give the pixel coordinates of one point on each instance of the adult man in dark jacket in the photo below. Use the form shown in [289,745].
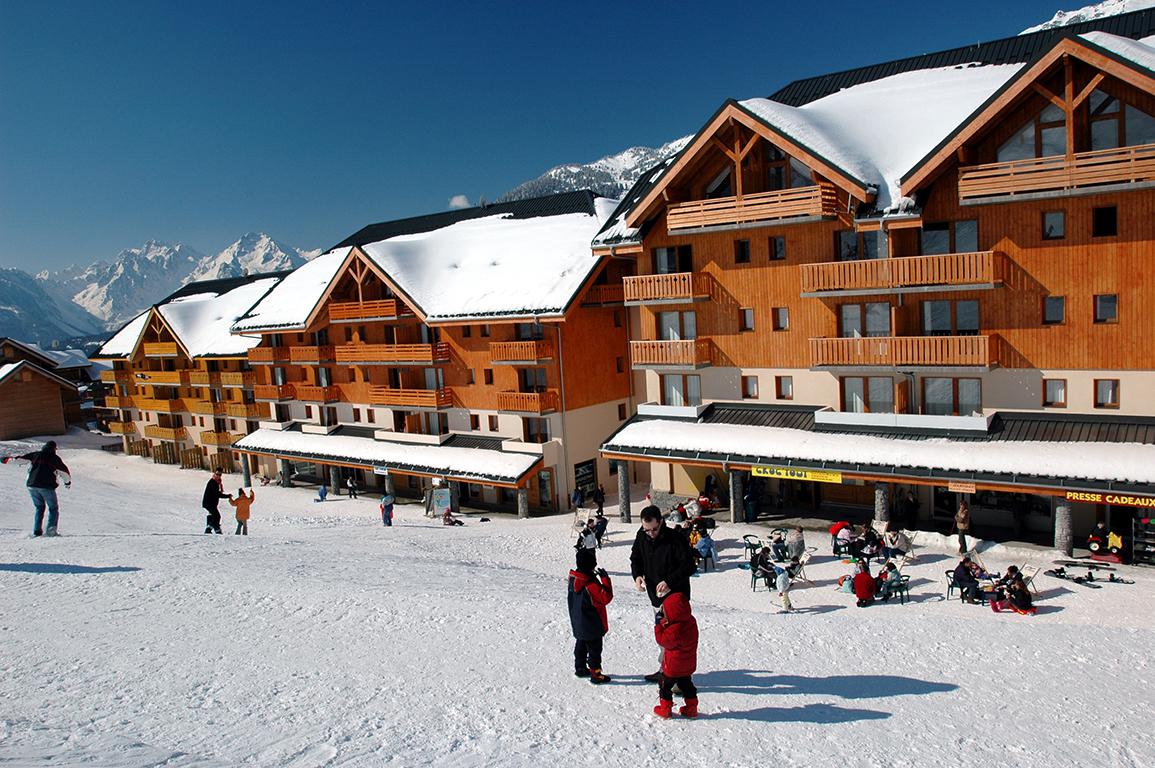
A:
[661,562]
[42,484]
[214,492]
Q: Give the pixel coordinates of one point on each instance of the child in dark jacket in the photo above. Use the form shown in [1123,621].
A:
[677,632]
[589,592]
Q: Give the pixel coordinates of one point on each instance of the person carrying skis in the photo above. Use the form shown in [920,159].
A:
[214,492]
[676,631]
[42,484]
[590,591]
[242,504]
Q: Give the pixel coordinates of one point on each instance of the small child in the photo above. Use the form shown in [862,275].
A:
[782,582]
[589,592]
[676,631]
[387,509]
[242,504]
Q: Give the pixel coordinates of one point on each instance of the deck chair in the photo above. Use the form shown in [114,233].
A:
[1029,572]
[801,574]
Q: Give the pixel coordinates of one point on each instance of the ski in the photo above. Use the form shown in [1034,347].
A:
[1083,564]
[1060,573]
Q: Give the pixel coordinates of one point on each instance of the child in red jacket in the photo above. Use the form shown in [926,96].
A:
[677,632]
[590,590]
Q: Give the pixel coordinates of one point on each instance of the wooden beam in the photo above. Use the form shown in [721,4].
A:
[718,143]
[1088,90]
[1068,108]
[1045,92]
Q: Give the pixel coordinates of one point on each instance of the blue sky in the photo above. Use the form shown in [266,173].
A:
[197,122]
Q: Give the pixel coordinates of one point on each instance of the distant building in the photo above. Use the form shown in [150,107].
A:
[34,399]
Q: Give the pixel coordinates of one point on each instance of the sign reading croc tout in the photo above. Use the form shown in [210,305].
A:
[1117,499]
[793,473]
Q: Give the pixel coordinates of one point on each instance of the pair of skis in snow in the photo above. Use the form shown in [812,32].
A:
[1087,581]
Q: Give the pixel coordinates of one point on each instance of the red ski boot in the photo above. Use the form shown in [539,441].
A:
[690,709]
[665,708]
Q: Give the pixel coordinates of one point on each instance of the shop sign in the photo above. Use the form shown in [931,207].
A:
[381,470]
[955,486]
[1117,499]
[792,473]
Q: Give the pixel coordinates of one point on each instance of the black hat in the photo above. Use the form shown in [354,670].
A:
[586,559]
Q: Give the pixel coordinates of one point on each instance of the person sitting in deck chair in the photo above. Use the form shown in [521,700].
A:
[795,543]
[894,542]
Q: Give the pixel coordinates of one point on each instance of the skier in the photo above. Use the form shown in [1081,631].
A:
[242,504]
[214,492]
[42,484]
[676,631]
[661,562]
[590,590]
[387,510]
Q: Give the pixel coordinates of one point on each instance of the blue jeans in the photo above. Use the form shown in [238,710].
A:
[40,498]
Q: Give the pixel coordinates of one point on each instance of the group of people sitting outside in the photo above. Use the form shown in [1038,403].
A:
[1008,591]
[866,543]
[866,587]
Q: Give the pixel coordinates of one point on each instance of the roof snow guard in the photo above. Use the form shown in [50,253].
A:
[451,462]
[1055,453]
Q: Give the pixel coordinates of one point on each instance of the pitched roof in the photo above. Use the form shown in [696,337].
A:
[32,350]
[292,301]
[10,369]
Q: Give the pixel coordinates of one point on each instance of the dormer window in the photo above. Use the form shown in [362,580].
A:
[784,172]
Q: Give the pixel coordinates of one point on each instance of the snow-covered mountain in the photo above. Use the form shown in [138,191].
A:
[254,253]
[612,176]
[29,313]
[1089,12]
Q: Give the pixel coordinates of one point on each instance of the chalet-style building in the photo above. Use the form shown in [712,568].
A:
[482,347]
[182,387]
[931,273]
[53,406]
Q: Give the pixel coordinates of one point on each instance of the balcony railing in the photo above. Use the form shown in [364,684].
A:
[269,355]
[160,406]
[160,349]
[114,377]
[273,391]
[121,427]
[353,311]
[882,275]
[818,200]
[386,354]
[208,437]
[244,379]
[1058,173]
[311,393]
[678,287]
[311,354]
[206,408]
[118,401]
[889,351]
[247,410]
[413,398]
[168,378]
[613,293]
[528,402]
[203,378]
[520,352]
[164,433]
[691,353]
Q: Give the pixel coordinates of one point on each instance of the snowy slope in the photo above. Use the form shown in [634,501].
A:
[1090,13]
[324,639]
[31,314]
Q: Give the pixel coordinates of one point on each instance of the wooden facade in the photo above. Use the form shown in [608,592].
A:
[30,404]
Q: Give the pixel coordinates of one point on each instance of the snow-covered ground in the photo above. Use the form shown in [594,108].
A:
[324,638]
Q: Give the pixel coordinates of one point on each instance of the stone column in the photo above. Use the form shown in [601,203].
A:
[882,502]
[335,480]
[737,511]
[286,474]
[522,503]
[624,491]
[246,471]
[389,487]
[455,498]
[1064,536]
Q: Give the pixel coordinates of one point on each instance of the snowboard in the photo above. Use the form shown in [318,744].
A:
[1113,579]
[1061,573]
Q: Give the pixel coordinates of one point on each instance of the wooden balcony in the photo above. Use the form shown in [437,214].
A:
[247,410]
[164,433]
[353,311]
[311,393]
[393,354]
[244,379]
[116,377]
[1083,172]
[411,398]
[676,288]
[160,406]
[121,427]
[273,391]
[984,269]
[311,354]
[208,437]
[160,349]
[206,408]
[203,379]
[760,208]
[912,351]
[267,355]
[528,402]
[166,378]
[119,401]
[520,352]
[692,353]
[604,295]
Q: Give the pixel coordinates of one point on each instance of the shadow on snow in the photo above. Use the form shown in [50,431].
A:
[64,568]
[843,686]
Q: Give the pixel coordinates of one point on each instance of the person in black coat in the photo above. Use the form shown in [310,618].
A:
[214,492]
[599,497]
[46,465]
[964,577]
[661,561]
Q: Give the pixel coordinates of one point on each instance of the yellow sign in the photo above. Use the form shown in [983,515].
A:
[1112,498]
[790,473]
[955,486]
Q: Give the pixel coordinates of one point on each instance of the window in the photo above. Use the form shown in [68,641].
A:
[619,318]
[474,422]
[951,397]
[746,321]
[1055,393]
[781,317]
[1054,310]
[1054,225]
[874,394]
[873,318]
[777,248]
[678,389]
[466,331]
[469,378]
[621,411]
[784,387]
[749,387]
[850,245]
[1106,393]
[1105,221]
[784,172]
[1106,308]
[741,251]
[529,331]
[356,415]
[668,261]
[620,364]
[485,331]
[720,186]
[677,326]
[492,423]
[950,318]
[1045,136]
[369,416]
[487,375]
[536,430]
[950,237]
[308,411]
[1118,125]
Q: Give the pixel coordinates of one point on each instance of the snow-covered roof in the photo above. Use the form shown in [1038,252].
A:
[291,302]
[123,342]
[1139,52]
[493,266]
[65,358]
[202,321]
[455,463]
[615,231]
[10,369]
[1110,462]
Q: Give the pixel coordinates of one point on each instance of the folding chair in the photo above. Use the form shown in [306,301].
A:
[801,574]
[1029,572]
